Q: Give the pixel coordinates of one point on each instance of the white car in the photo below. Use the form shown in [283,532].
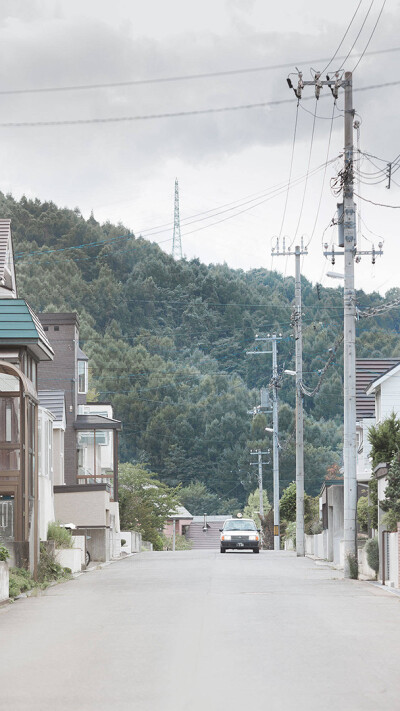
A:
[240,534]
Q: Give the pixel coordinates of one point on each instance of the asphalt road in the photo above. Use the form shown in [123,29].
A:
[198,631]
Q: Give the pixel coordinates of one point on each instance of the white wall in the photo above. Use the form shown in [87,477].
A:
[45,470]
[364,466]
[390,396]
[4,581]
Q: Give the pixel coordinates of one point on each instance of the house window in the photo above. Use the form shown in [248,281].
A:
[96,457]
[82,377]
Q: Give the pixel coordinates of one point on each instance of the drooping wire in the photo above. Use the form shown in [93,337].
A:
[343,38]
[371,35]
[358,35]
[307,175]
[323,177]
[290,169]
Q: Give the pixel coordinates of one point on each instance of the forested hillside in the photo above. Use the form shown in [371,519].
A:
[167,345]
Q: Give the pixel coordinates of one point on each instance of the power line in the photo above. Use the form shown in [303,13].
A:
[178,78]
[343,38]
[172,114]
[359,33]
[290,169]
[371,35]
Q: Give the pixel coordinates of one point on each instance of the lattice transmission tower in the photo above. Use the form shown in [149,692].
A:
[176,242]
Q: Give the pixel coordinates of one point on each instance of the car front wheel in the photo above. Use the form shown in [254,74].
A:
[223,550]
[256,550]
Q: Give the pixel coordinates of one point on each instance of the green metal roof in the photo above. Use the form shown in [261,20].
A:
[19,326]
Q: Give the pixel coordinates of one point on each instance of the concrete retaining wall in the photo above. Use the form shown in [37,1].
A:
[69,558]
[126,536]
[364,569]
[79,543]
[4,581]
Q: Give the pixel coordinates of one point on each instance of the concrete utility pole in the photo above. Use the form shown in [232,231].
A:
[350,438]
[275,450]
[275,430]
[297,322]
[260,478]
[348,242]
[300,541]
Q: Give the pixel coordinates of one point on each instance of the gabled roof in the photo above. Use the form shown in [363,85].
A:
[19,326]
[378,381]
[180,513]
[8,286]
[367,371]
[54,400]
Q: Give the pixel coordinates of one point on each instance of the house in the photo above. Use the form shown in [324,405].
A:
[51,424]
[180,519]
[368,410]
[23,347]
[87,494]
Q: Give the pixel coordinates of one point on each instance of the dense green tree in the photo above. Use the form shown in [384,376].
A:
[144,502]
[167,344]
[385,439]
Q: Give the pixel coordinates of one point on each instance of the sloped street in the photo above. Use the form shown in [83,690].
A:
[200,631]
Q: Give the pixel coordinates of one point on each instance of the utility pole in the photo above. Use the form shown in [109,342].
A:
[349,325]
[300,541]
[349,301]
[260,478]
[273,340]
[297,323]
[275,450]
[176,240]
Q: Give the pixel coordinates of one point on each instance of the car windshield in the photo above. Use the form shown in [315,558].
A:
[240,525]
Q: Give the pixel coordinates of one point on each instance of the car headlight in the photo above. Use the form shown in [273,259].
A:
[224,537]
[254,538]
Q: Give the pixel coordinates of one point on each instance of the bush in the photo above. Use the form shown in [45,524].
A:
[353,566]
[20,581]
[181,543]
[123,542]
[48,569]
[372,551]
[290,532]
[362,513]
[4,554]
[61,537]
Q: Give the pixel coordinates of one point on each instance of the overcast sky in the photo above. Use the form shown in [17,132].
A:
[125,171]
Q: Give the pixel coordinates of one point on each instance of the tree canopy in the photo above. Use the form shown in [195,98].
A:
[167,343]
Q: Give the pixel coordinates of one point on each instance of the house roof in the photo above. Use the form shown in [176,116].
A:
[368,370]
[8,285]
[180,512]
[81,355]
[19,325]
[96,422]
[381,379]
[54,400]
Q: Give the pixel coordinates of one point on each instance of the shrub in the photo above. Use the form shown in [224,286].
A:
[48,568]
[290,532]
[20,581]
[372,551]
[353,566]
[362,513]
[123,541]
[4,554]
[59,535]
[181,543]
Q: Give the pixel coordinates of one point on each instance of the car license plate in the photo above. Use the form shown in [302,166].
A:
[240,545]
